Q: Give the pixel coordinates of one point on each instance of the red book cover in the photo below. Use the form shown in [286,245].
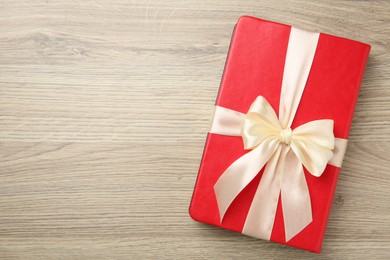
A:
[254,67]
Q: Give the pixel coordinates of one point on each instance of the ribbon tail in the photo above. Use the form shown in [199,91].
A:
[296,203]
[240,173]
[261,215]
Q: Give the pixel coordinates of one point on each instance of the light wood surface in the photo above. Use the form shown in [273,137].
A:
[104,109]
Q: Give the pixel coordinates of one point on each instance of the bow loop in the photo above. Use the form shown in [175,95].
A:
[260,124]
[313,143]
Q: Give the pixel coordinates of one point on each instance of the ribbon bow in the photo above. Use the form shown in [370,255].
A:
[280,149]
[285,150]
[312,142]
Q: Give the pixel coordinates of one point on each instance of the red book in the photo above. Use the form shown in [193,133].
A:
[255,67]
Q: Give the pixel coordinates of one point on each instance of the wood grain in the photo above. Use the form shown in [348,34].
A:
[104,109]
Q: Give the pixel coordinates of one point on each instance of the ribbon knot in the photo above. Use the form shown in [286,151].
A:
[285,135]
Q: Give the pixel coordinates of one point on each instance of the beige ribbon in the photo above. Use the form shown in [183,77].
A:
[281,150]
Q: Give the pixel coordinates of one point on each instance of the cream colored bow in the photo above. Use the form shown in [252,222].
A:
[284,151]
[312,142]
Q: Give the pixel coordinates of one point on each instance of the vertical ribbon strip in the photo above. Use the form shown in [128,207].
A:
[281,150]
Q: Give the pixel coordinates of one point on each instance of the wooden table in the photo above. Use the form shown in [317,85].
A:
[104,110]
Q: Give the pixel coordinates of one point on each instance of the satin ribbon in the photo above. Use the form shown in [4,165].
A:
[280,149]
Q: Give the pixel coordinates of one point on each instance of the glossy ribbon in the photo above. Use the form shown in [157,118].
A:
[281,150]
